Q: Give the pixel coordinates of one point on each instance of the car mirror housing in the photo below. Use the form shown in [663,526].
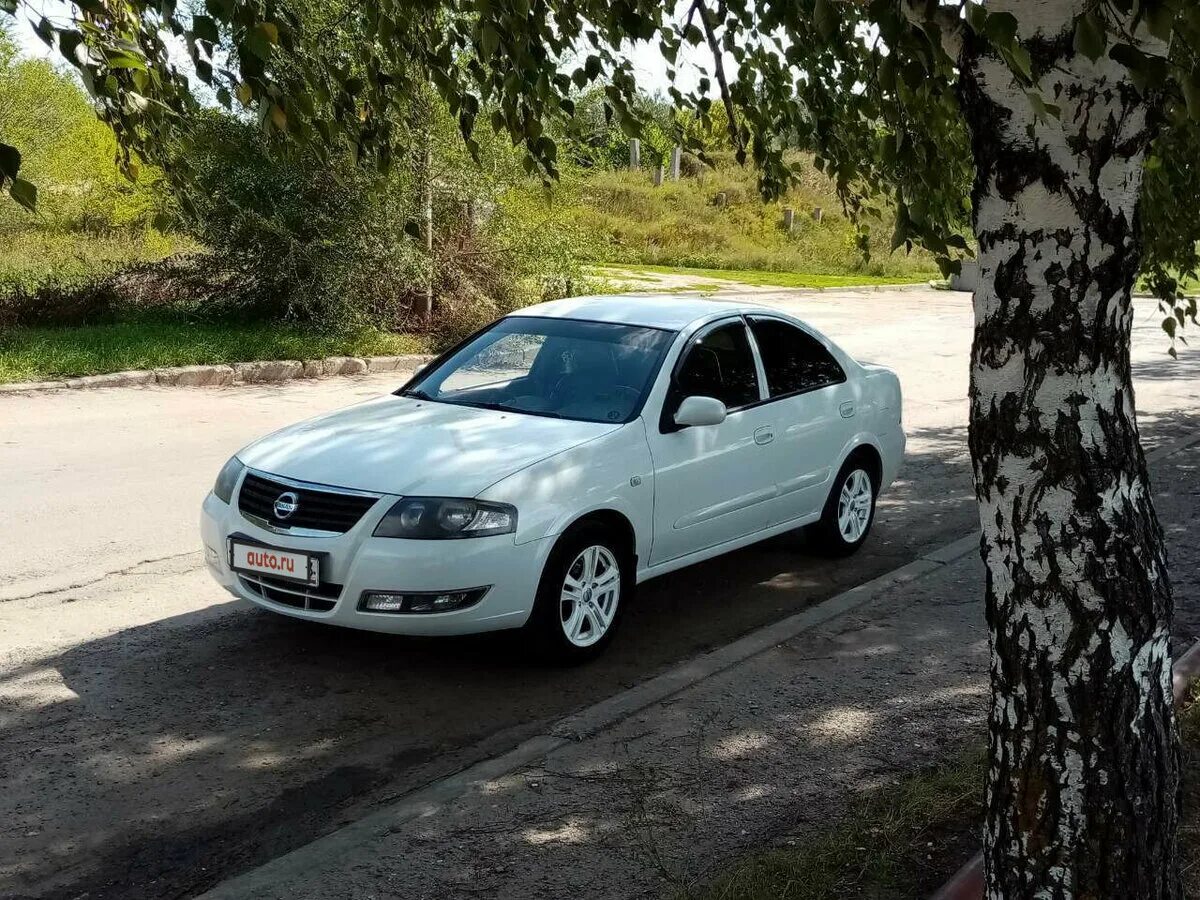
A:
[700,411]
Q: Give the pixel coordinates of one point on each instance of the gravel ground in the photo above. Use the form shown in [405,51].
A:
[768,751]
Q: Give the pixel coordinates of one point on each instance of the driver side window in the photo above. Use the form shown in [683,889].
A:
[719,364]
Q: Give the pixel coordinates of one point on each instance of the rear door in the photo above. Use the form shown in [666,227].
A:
[813,410]
[712,483]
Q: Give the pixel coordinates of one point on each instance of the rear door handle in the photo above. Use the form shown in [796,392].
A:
[764,435]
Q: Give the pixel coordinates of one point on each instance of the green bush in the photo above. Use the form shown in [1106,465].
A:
[332,243]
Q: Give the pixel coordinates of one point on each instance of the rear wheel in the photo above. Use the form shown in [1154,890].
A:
[849,512]
[582,594]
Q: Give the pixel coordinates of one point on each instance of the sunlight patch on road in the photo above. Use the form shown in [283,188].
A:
[740,746]
[573,831]
[842,724]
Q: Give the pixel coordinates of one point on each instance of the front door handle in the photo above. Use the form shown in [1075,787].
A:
[764,435]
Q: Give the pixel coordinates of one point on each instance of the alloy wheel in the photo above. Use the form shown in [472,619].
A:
[590,592]
[854,506]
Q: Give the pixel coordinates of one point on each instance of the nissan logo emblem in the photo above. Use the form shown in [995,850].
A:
[286,504]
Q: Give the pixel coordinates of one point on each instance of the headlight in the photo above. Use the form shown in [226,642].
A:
[433,518]
[227,479]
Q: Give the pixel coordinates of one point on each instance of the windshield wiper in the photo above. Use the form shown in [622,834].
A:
[415,393]
[500,407]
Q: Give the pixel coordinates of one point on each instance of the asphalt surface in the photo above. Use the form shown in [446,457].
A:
[156,737]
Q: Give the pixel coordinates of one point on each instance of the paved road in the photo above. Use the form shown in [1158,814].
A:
[156,737]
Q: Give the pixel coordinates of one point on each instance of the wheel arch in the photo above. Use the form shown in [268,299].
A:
[611,520]
[871,457]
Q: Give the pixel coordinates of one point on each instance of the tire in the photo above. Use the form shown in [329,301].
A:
[841,531]
[571,634]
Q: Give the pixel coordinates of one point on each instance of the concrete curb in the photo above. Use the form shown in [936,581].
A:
[579,726]
[262,372]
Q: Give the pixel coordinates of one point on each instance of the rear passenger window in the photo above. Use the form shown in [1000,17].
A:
[793,359]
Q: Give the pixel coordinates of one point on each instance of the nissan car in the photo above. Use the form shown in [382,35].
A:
[531,477]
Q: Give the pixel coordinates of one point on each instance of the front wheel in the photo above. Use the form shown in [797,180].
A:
[846,520]
[582,594]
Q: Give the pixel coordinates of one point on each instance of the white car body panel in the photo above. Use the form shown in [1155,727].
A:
[404,446]
[686,495]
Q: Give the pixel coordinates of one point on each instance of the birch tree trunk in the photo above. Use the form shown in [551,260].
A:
[1083,781]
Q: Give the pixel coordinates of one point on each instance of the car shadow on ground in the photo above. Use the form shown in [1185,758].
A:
[159,760]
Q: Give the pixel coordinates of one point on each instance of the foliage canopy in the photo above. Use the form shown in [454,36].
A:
[869,87]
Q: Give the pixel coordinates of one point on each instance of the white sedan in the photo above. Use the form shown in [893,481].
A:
[533,475]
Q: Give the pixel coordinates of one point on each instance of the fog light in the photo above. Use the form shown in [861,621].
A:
[419,601]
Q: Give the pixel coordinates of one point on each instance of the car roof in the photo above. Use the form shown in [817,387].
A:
[669,311]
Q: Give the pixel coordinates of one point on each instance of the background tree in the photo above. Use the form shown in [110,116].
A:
[1075,122]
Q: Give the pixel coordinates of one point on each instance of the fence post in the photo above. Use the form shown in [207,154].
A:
[817,213]
[721,200]
[658,175]
[676,156]
[635,154]
[789,219]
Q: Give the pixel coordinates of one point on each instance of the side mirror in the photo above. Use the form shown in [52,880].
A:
[697,411]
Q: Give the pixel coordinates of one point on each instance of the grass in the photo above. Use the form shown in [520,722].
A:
[37,354]
[35,257]
[621,217]
[773,279]
[900,842]
[906,841]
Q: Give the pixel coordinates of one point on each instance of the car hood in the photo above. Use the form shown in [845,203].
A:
[398,445]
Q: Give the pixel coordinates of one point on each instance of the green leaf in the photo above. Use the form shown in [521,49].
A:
[825,19]
[123,59]
[1160,19]
[1021,62]
[490,40]
[205,29]
[43,29]
[10,162]
[976,17]
[1090,36]
[1191,93]
[1001,29]
[24,193]
[257,44]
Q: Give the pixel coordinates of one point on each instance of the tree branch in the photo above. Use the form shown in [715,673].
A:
[719,71]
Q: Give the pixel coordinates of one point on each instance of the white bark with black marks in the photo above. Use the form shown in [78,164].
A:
[1083,781]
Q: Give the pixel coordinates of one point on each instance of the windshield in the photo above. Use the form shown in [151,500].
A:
[563,368]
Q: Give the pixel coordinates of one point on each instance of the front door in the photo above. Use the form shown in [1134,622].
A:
[712,484]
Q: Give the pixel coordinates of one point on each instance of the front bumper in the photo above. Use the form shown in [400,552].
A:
[359,562]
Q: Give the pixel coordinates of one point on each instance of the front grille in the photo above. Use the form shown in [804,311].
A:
[316,509]
[321,598]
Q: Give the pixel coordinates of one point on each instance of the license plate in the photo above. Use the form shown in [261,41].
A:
[284,564]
